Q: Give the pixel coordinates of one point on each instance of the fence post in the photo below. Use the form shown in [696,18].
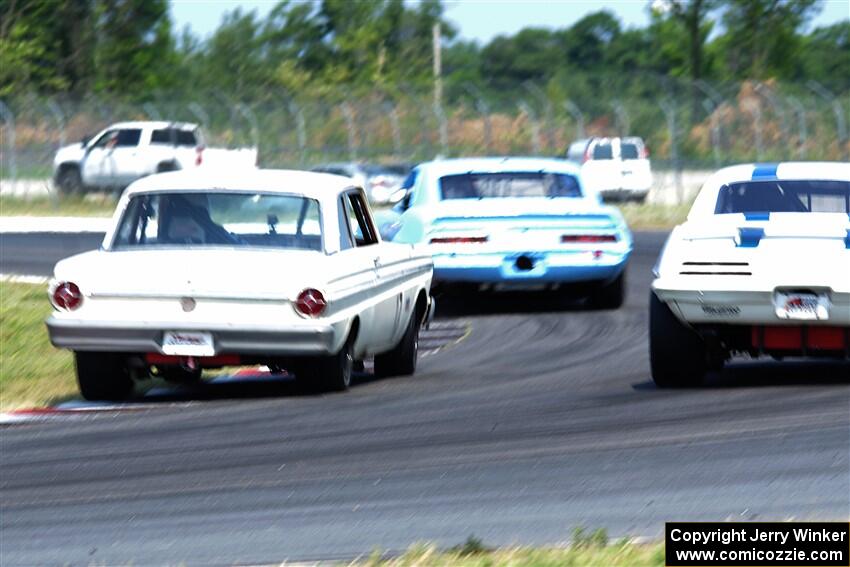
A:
[483,109]
[59,116]
[803,136]
[198,111]
[535,128]
[623,122]
[300,131]
[352,132]
[754,108]
[669,109]
[712,103]
[392,111]
[548,128]
[840,125]
[151,111]
[9,121]
[715,130]
[251,118]
[577,115]
[443,128]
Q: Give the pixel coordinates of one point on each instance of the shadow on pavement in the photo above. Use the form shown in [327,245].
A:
[761,373]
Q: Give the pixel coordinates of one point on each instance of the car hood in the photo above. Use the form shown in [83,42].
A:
[215,272]
[69,153]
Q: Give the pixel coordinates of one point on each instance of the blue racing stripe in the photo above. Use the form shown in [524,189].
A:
[765,171]
[749,237]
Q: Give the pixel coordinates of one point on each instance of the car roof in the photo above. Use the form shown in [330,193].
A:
[155,124]
[785,170]
[706,200]
[499,165]
[311,184]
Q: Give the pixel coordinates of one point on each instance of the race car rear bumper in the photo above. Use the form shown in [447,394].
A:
[101,336]
[743,307]
[530,267]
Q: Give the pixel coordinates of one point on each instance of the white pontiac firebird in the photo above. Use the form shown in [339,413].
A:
[205,270]
[760,267]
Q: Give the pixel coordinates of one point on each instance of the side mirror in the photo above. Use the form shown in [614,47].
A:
[85,140]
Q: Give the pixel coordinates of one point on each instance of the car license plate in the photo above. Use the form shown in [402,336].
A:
[802,306]
[184,343]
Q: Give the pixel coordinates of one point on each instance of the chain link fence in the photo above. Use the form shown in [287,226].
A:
[687,125]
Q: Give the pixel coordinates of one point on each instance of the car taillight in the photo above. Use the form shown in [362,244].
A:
[588,238]
[311,302]
[199,155]
[586,155]
[459,240]
[67,296]
[644,153]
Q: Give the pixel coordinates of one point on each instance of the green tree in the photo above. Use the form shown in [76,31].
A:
[762,38]
[134,46]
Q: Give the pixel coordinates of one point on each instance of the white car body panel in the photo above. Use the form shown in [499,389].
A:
[243,295]
[706,275]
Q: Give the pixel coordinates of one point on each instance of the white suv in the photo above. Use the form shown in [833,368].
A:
[617,168]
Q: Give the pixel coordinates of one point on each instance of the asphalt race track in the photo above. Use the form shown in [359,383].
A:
[543,419]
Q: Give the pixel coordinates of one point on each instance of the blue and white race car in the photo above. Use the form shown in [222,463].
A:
[509,223]
[760,267]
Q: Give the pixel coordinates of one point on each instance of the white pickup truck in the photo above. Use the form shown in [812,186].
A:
[127,151]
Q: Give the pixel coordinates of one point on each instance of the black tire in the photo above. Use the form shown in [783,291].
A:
[69,181]
[103,376]
[401,360]
[180,375]
[677,354]
[611,295]
[327,373]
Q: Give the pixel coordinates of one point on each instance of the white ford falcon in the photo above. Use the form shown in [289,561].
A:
[206,270]
[760,267]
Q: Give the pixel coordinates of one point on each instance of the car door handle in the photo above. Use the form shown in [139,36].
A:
[377,262]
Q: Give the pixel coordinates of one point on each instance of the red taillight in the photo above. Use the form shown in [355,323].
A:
[459,240]
[588,238]
[586,155]
[67,296]
[199,155]
[644,152]
[311,302]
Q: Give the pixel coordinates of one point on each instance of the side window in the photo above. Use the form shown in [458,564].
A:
[143,225]
[104,139]
[128,138]
[359,219]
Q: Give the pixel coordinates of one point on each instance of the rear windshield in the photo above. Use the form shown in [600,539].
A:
[520,184]
[603,151]
[777,196]
[174,137]
[193,219]
[629,151]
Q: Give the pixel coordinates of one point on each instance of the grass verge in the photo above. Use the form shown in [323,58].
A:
[65,206]
[578,555]
[32,372]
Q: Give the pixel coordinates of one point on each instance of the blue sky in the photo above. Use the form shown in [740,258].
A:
[477,19]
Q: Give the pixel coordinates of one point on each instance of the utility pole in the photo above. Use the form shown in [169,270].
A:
[438,66]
